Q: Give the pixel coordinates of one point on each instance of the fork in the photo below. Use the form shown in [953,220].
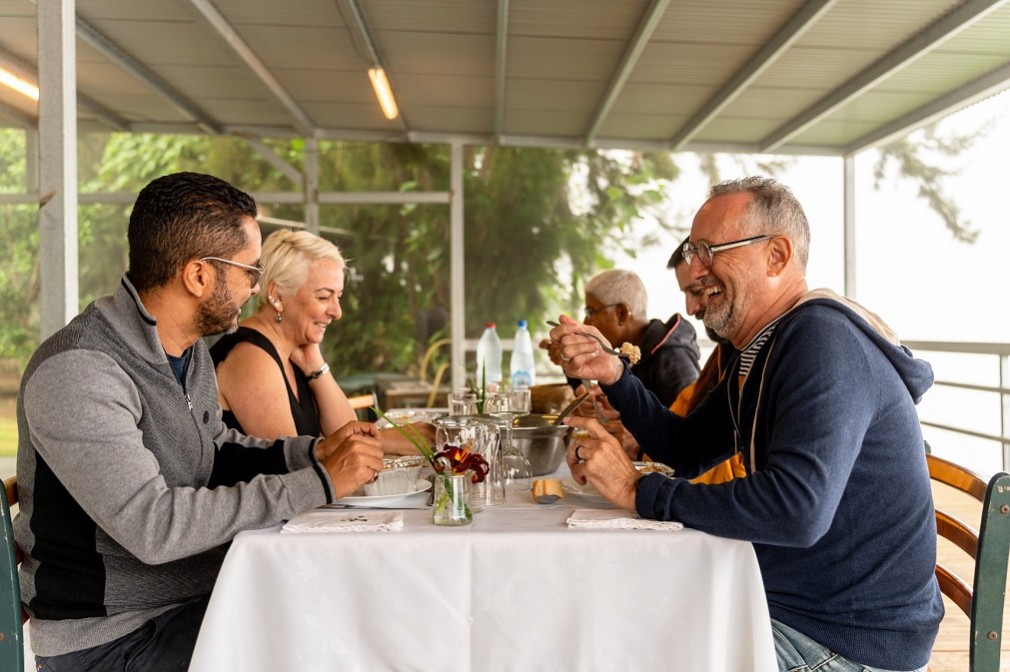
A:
[603,344]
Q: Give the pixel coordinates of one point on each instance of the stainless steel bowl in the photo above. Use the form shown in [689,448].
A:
[543,445]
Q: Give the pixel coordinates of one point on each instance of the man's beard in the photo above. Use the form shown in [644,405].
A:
[724,317]
[218,314]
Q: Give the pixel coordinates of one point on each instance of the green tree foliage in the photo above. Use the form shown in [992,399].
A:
[924,157]
[19,256]
[537,223]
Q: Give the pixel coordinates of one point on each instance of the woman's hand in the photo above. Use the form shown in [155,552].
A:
[308,358]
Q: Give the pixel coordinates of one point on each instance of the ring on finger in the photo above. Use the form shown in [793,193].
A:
[578,455]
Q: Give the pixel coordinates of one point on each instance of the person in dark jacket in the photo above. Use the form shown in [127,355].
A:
[617,305]
[820,402]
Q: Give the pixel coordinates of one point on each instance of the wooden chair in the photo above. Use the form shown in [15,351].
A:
[12,616]
[989,546]
[361,403]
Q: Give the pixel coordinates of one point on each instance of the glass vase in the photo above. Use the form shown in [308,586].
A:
[451,503]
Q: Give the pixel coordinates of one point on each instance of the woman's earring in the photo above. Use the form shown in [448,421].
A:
[279,318]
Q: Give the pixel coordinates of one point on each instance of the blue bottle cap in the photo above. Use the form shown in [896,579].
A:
[522,324]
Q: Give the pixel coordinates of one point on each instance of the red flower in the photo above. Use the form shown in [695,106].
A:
[461,460]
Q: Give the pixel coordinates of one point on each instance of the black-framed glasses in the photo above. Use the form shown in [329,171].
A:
[589,312]
[254,272]
[706,250]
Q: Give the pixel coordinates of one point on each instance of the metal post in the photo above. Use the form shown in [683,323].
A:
[312,185]
[456,259]
[849,222]
[58,163]
[1004,408]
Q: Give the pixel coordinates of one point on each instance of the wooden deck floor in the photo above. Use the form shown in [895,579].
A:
[950,653]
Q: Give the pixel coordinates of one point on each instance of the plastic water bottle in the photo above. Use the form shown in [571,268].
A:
[522,366]
[489,356]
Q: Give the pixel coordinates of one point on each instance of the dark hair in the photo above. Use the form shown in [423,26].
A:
[181,217]
[677,258]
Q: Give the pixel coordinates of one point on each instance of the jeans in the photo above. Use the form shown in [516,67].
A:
[798,653]
[163,644]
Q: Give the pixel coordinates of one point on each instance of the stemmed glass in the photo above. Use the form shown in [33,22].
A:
[505,407]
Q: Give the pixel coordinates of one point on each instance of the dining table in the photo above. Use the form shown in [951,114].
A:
[518,589]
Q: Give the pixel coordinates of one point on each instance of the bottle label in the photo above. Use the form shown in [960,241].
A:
[521,379]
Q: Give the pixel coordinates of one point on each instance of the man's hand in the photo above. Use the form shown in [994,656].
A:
[597,457]
[553,349]
[581,356]
[352,456]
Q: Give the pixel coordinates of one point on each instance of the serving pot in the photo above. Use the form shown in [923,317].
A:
[543,443]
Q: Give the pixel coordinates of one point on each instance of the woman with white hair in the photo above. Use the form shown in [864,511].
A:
[272,378]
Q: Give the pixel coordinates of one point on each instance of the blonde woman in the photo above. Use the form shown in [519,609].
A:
[272,378]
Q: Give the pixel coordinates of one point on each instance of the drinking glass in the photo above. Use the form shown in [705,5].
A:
[504,407]
[482,437]
[462,402]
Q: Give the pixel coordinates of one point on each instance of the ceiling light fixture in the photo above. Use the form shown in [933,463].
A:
[383,92]
[21,86]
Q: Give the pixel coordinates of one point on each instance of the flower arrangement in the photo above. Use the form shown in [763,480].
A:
[450,505]
[459,461]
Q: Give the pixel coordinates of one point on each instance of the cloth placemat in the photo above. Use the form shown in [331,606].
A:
[601,519]
[330,520]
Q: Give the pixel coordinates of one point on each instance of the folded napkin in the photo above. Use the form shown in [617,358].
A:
[330,520]
[600,519]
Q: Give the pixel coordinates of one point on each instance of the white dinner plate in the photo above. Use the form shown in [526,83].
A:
[587,491]
[378,500]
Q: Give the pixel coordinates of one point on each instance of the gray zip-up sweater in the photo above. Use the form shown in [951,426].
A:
[129,482]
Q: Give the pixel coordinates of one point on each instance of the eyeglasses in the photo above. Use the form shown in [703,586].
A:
[592,311]
[254,272]
[706,250]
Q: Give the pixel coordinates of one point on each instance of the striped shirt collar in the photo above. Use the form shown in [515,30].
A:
[751,350]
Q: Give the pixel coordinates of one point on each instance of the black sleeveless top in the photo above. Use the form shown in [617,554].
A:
[304,412]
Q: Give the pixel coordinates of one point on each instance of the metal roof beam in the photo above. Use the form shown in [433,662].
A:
[141,73]
[774,48]
[101,113]
[646,27]
[18,117]
[275,160]
[948,26]
[224,29]
[500,62]
[987,85]
[359,26]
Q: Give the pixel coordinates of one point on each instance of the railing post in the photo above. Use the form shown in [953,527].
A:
[1004,408]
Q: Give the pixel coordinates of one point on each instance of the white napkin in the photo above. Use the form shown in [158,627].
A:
[345,521]
[601,519]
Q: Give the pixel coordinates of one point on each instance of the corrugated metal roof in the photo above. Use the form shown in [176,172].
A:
[823,76]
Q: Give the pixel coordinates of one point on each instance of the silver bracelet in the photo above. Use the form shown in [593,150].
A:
[318,372]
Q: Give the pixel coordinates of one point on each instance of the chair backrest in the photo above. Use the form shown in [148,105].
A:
[12,617]
[989,545]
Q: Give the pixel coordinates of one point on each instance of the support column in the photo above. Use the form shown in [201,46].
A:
[849,223]
[312,185]
[58,163]
[457,292]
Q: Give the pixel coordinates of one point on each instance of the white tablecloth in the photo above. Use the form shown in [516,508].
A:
[516,590]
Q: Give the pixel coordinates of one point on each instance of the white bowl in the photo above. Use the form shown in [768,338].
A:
[398,476]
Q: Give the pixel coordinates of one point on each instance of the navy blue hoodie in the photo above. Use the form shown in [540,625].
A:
[837,500]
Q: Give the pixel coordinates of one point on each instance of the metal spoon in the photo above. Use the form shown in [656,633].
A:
[603,344]
[567,410]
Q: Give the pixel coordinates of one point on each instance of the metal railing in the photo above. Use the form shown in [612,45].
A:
[1001,354]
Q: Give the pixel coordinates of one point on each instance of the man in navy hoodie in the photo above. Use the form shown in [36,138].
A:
[820,403]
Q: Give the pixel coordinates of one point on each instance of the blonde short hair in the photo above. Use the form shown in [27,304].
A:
[287,256]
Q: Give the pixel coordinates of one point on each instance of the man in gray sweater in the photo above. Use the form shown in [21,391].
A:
[130,485]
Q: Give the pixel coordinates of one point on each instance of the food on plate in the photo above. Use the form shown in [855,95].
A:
[547,490]
[631,351]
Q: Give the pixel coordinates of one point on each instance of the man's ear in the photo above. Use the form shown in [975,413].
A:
[198,278]
[622,313]
[780,252]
